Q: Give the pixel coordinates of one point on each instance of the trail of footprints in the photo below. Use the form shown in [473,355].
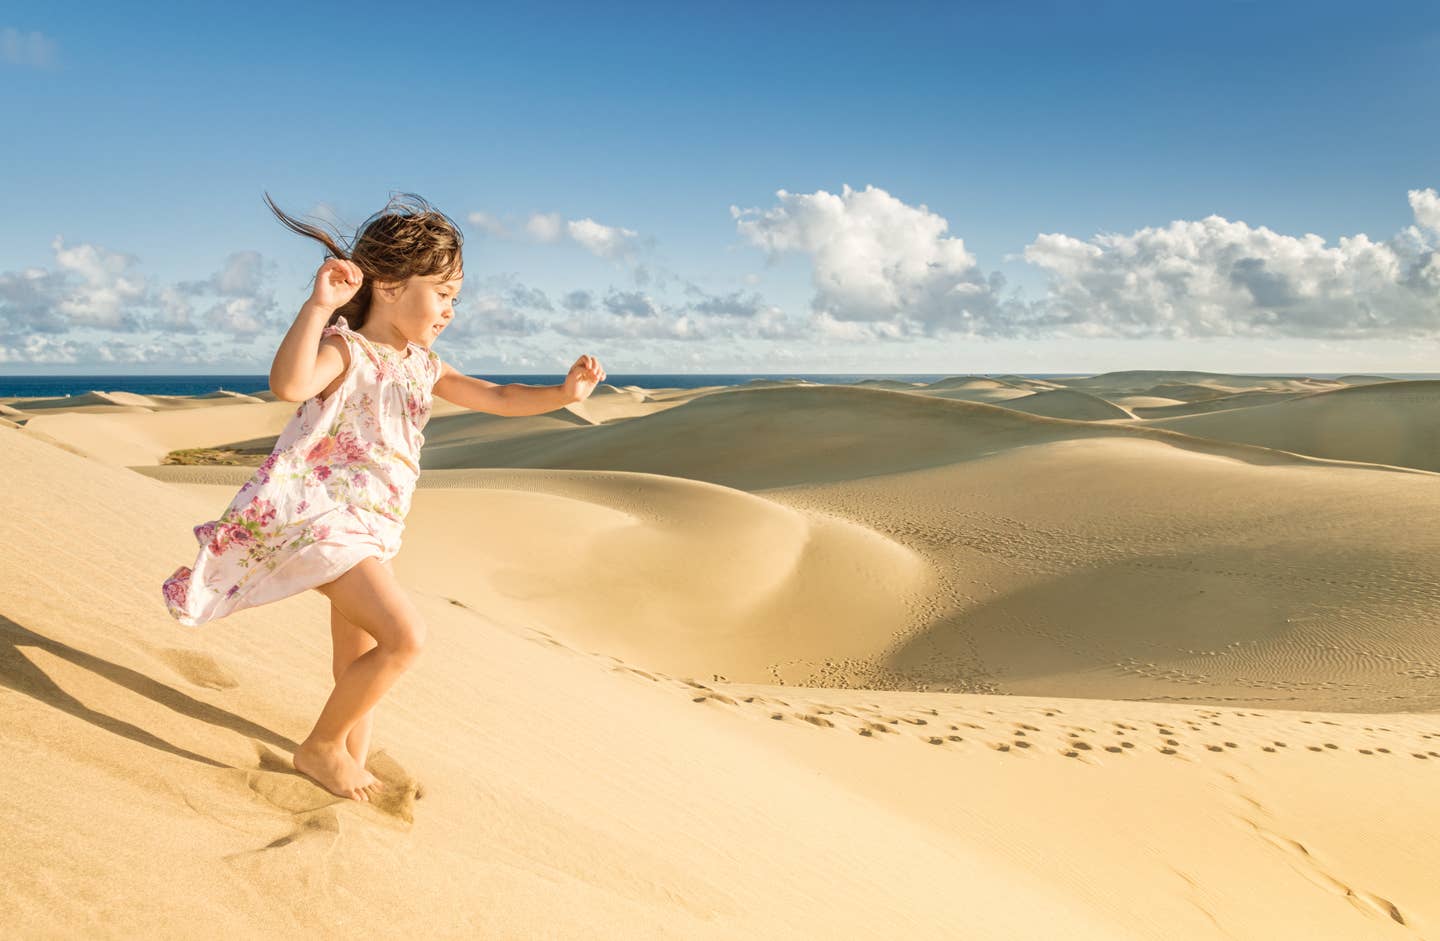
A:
[1182,736]
[1178,738]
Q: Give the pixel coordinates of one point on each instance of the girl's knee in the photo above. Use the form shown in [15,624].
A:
[409,640]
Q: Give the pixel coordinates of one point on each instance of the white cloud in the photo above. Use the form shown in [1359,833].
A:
[246,304]
[544,227]
[1215,278]
[91,287]
[175,312]
[1425,204]
[733,304]
[578,300]
[28,298]
[238,316]
[631,304]
[631,326]
[603,240]
[96,287]
[33,49]
[877,259]
[485,222]
[891,270]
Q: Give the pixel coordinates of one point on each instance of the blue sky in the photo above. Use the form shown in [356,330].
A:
[802,187]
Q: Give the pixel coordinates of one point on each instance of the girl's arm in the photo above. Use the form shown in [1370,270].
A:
[304,365]
[511,401]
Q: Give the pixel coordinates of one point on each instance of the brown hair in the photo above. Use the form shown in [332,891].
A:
[409,237]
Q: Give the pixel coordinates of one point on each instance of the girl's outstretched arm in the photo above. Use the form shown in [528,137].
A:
[512,400]
[516,399]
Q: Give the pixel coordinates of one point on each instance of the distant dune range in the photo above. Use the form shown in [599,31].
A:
[1392,423]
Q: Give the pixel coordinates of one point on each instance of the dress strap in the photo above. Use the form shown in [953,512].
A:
[341,327]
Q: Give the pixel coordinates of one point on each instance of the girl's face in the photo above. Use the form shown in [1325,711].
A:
[423,307]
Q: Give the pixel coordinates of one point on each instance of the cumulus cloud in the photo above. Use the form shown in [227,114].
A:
[1215,278]
[874,258]
[533,298]
[488,316]
[1425,204]
[578,300]
[90,287]
[640,316]
[733,304]
[602,240]
[885,270]
[28,298]
[612,243]
[631,326]
[497,305]
[245,303]
[32,50]
[487,223]
[631,304]
[545,226]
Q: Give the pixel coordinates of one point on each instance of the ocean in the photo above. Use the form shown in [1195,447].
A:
[47,386]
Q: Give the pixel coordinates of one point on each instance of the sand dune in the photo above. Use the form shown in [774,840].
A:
[809,661]
[1069,403]
[1361,380]
[103,402]
[893,384]
[1216,404]
[1136,402]
[1389,423]
[759,438]
[969,382]
[995,395]
[1149,382]
[146,437]
[1025,382]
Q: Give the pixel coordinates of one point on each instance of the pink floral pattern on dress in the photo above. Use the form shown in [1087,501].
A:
[336,488]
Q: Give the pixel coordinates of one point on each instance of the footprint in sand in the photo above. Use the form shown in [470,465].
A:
[312,835]
[197,667]
[278,783]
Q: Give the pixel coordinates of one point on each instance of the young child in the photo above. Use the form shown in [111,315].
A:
[327,507]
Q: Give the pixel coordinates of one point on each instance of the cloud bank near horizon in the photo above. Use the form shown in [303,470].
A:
[880,269]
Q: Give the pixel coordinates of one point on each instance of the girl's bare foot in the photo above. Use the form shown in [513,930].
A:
[333,769]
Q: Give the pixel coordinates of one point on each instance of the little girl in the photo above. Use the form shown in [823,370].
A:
[327,507]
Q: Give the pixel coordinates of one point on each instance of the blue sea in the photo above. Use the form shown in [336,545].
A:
[46,386]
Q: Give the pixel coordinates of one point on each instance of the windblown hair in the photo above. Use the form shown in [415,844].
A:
[407,238]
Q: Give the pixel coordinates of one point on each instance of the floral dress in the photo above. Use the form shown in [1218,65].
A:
[335,489]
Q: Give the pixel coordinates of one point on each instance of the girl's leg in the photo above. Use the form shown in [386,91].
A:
[349,643]
[370,598]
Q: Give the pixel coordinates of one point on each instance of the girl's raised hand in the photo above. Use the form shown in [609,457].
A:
[336,282]
[583,377]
